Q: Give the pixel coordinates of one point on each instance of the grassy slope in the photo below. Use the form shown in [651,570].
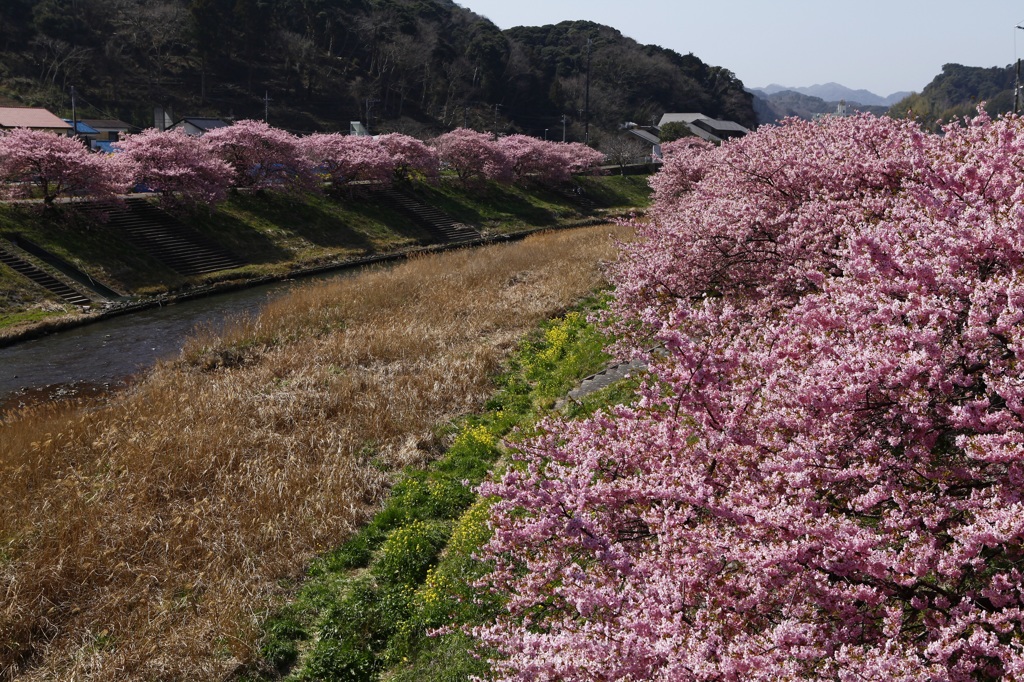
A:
[366,608]
[277,234]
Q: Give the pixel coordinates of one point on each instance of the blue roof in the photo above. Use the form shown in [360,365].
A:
[82,128]
[105,147]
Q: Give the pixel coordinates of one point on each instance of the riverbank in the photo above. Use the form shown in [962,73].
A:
[281,238]
[143,535]
[45,327]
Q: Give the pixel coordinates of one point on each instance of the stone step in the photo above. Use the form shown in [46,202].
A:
[441,226]
[87,283]
[42,278]
[166,238]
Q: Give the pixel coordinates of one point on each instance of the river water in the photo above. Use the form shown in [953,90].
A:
[107,353]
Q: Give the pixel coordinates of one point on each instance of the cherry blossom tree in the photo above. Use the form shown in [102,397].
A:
[183,169]
[52,166]
[531,157]
[473,156]
[412,158]
[823,475]
[262,157]
[348,159]
[549,163]
[582,159]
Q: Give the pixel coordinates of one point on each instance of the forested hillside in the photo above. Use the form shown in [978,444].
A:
[407,65]
[957,91]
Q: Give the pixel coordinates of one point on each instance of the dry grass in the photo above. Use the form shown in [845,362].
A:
[144,538]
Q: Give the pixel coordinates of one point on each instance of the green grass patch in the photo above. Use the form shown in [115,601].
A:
[13,319]
[93,247]
[274,228]
[500,208]
[369,608]
[276,234]
[617,191]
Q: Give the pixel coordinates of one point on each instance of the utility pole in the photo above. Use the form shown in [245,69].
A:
[1016,89]
[586,98]
[369,107]
[266,105]
[74,115]
[1016,81]
[563,127]
[496,107]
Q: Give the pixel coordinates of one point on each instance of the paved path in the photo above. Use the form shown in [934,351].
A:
[606,377]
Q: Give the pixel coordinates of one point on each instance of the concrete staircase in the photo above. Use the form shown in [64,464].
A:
[96,290]
[49,281]
[442,227]
[164,237]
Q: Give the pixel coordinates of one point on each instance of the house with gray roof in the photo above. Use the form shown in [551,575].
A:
[705,127]
[648,138]
[196,126]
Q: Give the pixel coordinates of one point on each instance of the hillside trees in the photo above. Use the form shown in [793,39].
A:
[425,63]
[956,92]
[822,477]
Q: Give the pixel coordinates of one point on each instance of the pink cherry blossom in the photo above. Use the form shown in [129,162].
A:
[54,166]
[530,157]
[262,157]
[181,168]
[580,158]
[349,159]
[823,475]
[412,158]
[472,156]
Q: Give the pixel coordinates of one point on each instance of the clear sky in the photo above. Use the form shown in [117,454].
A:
[884,46]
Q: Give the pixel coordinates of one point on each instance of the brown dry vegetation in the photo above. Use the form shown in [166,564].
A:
[145,538]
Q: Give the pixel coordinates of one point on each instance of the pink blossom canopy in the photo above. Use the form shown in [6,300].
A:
[823,476]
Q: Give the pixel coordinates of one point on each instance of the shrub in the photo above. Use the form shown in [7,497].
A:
[409,552]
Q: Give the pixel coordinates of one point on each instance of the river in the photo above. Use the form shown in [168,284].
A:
[97,356]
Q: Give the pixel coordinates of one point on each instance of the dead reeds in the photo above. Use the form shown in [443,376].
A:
[146,538]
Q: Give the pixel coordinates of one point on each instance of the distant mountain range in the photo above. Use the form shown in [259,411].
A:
[834,92]
[776,102]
